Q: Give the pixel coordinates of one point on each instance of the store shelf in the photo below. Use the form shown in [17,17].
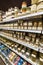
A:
[21,55]
[21,42]
[6,57]
[23,17]
[3,59]
[20,30]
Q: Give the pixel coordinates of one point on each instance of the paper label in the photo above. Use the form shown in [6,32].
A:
[41,59]
[33,55]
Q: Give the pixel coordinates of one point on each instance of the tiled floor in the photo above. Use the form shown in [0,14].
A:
[1,62]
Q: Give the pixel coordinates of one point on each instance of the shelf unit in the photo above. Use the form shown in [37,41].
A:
[20,54]
[29,16]
[3,59]
[20,42]
[22,17]
[6,57]
[20,30]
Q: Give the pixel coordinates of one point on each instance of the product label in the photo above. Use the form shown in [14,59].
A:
[41,59]
[27,53]
[33,55]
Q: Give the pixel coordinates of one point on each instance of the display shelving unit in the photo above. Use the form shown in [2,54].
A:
[28,16]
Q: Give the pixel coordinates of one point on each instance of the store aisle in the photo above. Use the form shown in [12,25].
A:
[1,62]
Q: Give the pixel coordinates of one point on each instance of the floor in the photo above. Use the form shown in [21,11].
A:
[1,62]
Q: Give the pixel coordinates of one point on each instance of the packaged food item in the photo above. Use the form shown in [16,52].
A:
[34,26]
[15,33]
[33,8]
[24,7]
[23,50]
[16,10]
[25,25]
[27,52]
[41,59]
[40,25]
[28,10]
[19,48]
[21,24]
[40,7]
[13,45]
[18,35]
[11,56]
[34,56]
[33,39]
[16,46]
[28,38]
[34,1]
[30,25]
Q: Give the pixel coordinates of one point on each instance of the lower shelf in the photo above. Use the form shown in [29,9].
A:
[21,55]
[6,58]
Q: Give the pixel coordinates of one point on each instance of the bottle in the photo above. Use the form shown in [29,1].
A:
[27,52]
[16,46]
[41,59]
[24,7]
[20,48]
[23,50]
[34,56]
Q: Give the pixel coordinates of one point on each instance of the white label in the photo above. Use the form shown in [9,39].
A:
[41,59]
[23,51]
[27,53]
[33,55]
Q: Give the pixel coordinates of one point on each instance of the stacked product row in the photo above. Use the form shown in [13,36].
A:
[32,39]
[27,52]
[12,56]
[37,6]
[30,25]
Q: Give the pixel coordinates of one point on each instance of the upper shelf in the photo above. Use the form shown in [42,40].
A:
[22,17]
[20,30]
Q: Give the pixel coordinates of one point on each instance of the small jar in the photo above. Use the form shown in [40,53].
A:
[29,25]
[20,48]
[16,10]
[34,26]
[23,50]
[16,46]
[33,8]
[25,25]
[41,59]
[40,7]
[28,10]
[24,7]
[34,56]
[39,26]
[28,52]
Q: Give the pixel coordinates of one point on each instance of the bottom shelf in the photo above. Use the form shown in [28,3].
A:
[17,60]
[6,58]
[21,55]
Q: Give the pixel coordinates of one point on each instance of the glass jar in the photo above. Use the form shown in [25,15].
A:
[41,59]
[24,7]
[40,7]
[34,56]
